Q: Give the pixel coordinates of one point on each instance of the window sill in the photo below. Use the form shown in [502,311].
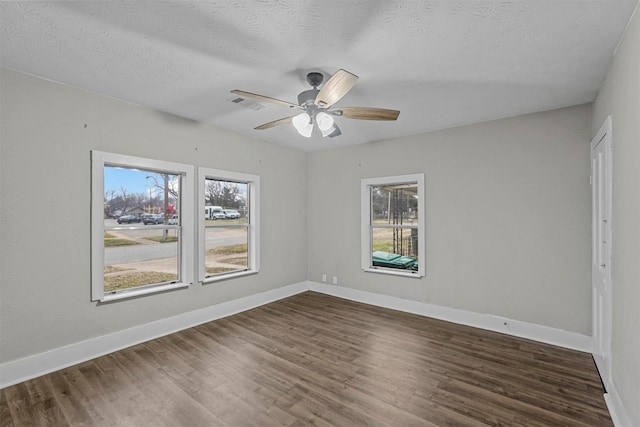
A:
[133,293]
[412,274]
[228,276]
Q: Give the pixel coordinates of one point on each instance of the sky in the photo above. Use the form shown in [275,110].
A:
[134,180]
[138,181]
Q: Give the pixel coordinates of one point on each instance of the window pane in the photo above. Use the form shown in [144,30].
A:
[395,248]
[229,237]
[134,258]
[392,225]
[131,195]
[226,201]
[226,249]
[140,198]
[395,204]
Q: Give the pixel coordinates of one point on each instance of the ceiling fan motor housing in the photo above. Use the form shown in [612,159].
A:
[307,97]
[315,79]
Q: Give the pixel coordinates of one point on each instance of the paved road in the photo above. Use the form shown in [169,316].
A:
[134,253]
[144,252]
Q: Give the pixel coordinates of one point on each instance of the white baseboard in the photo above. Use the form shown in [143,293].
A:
[619,414]
[20,370]
[503,325]
[16,371]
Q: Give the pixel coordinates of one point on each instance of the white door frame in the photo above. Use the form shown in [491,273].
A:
[601,239]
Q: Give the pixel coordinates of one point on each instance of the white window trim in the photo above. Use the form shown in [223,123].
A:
[98,161]
[253,255]
[365,203]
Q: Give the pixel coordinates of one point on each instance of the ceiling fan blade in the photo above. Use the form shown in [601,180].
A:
[274,123]
[335,88]
[264,98]
[367,113]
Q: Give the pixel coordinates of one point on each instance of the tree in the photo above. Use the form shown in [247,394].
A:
[118,204]
[379,202]
[169,186]
[225,194]
[109,195]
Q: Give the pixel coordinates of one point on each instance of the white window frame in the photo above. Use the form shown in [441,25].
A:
[367,228]
[253,228]
[101,159]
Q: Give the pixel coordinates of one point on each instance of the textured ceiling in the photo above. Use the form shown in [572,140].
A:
[441,63]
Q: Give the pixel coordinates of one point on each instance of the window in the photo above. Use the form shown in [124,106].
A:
[393,225]
[141,226]
[229,224]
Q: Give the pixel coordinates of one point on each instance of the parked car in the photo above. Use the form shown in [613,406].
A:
[174,220]
[210,210]
[153,219]
[218,215]
[128,219]
[231,214]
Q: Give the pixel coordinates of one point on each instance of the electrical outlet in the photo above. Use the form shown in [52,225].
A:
[335,280]
[324,278]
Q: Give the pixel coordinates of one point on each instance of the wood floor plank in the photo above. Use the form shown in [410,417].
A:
[73,405]
[313,359]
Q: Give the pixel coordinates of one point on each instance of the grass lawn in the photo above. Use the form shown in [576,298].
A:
[113,269]
[228,250]
[242,260]
[136,278]
[383,246]
[225,221]
[114,241]
[224,254]
[217,270]
[159,239]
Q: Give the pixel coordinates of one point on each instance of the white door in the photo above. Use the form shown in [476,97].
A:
[601,250]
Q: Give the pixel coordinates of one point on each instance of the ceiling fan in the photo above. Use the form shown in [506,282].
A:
[317,105]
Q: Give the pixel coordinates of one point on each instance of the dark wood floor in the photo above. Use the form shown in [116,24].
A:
[313,359]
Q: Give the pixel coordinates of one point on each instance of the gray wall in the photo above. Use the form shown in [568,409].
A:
[620,98]
[507,217]
[507,209]
[44,212]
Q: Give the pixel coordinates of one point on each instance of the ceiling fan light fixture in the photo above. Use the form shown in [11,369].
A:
[303,124]
[325,122]
[331,132]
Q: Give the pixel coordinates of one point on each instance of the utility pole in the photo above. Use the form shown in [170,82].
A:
[165,232]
